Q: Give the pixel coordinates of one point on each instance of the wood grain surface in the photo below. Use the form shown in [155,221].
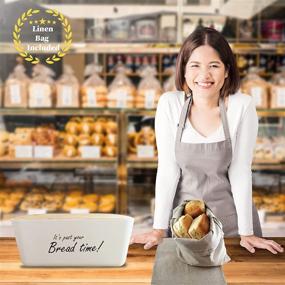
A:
[245,268]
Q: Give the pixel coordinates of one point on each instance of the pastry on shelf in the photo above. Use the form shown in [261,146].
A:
[69,151]
[99,126]
[109,151]
[44,135]
[252,84]
[84,140]
[86,126]
[93,91]
[121,91]
[97,139]
[90,198]
[111,139]
[111,127]
[16,88]
[41,87]
[132,147]
[277,89]
[70,139]
[67,89]
[72,127]
[107,203]
[149,89]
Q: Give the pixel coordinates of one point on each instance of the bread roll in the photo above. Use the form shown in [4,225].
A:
[199,227]
[181,226]
[195,208]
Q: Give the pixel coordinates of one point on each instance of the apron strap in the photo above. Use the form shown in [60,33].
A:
[182,119]
[224,118]
[184,116]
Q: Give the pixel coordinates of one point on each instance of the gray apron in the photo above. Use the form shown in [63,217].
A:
[204,174]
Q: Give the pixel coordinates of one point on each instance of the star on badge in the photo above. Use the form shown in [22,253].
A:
[42,21]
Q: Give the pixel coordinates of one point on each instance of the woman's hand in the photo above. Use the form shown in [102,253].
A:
[149,239]
[252,242]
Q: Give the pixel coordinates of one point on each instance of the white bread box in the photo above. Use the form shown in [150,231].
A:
[73,239]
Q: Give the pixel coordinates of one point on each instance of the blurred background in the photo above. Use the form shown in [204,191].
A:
[78,135]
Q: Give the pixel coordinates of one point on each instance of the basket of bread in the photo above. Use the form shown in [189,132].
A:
[198,235]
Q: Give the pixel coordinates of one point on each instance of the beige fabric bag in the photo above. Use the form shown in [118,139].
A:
[170,270]
[208,251]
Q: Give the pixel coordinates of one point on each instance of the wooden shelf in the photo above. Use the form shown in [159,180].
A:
[57,112]
[57,163]
[144,163]
[108,111]
[152,48]
[271,112]
[268,166]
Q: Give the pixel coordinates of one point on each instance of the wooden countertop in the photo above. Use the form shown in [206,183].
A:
[245,268]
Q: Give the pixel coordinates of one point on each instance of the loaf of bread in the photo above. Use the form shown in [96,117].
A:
[199,227]
[194,208]
[182,226]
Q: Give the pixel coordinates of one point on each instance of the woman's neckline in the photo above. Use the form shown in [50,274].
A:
[214,132]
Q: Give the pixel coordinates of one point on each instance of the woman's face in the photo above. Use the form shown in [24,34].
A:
[205,73]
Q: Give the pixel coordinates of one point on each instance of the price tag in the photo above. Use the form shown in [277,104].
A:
[39,95]
[280,94]
[15,94]
[79,211]
[67,96]
[256,93]
[145,151]
[149,98]
[91,97]
[122,97]
[23,151]
[34,211]
[90,151]
[41,151]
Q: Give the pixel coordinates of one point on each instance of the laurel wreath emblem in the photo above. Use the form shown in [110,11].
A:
[53,58]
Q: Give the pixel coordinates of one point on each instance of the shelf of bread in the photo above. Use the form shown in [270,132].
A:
[36,199]
[151,163]
[142,150]
[109,48]
[271,203]
[83,140]
[149,48]
[56,163]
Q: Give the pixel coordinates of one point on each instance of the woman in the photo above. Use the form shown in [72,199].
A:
[206,134]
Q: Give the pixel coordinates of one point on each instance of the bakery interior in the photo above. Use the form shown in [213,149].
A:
[77,136]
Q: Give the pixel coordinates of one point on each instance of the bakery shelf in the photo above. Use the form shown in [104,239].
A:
[268,166]
[57,112]
[150,48]
[56,163]
[108,111]
[143,163]
[151,163]
[271,112]
[108,48]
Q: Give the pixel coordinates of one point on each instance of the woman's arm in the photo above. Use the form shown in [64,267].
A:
[167,175]
[167,171]
[240,174]
[241,182]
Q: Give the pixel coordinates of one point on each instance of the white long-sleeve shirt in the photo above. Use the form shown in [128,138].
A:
[243,126]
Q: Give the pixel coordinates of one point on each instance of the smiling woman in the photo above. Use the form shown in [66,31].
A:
[208,155]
